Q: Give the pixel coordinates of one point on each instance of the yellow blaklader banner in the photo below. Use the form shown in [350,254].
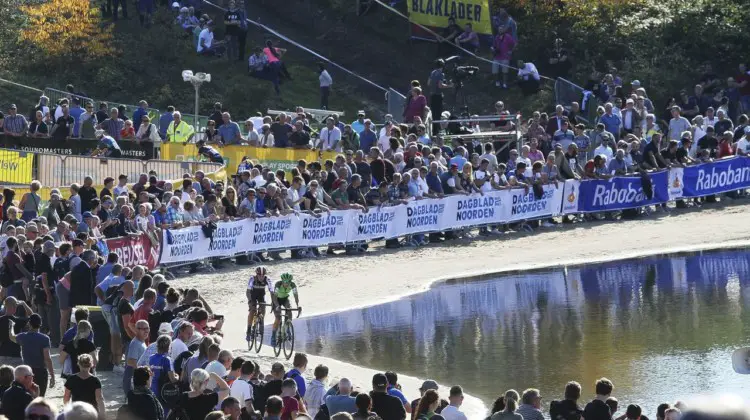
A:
[16,167]
[435,13]
[275,158]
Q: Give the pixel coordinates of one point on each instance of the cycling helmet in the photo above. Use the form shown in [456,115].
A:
[286,277]
[261,270]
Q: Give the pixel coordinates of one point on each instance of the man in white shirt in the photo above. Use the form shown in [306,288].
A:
[384,139]
[241,388]
[387,125]
[604,149]
[743,144]
[206,43]
[179,345]
[330,137]
[528,77]
[483,175]
[220,367]
[452,412]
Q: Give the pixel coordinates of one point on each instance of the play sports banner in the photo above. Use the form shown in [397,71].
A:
[435,13]
[16,167]
[350,226]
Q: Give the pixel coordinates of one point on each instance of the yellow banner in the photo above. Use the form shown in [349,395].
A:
[16,167]
[275,158]
[435,13]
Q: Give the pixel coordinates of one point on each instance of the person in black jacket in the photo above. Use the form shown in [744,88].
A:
[386,406]
[142,402]
[82,280]
[568,408]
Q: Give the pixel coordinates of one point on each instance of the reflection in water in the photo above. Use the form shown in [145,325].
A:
[661,329]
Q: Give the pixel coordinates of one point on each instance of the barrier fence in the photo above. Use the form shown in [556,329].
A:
[55,95]
[133,250]
[454,212]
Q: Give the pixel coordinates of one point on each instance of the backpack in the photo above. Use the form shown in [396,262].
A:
[169,392]
[6,276]
[61,267]
[179,362]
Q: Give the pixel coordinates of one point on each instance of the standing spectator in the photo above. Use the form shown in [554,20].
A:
[136,348]
[164,121]
[161,365]
[359,124]
[229,130]
[293,405]
[567,409]
[85,387]
[364,405]
[147,135]
[113,125]
[559,61]
[38,128]
[281,130]
[15,124]
[531,403]
[428,405]
[139,113]
[386,406]
[200,400]
[342,402]
[14,265]
[350,139]
[142,402]
[242,388]
[22,391]
[612,122]
[274,59]
[511,404]
[436,84]
[30,202]
[597,409]
[452,412]
[326,81]
[416,107]
[233,30]
[80,344]
[178,130]
[35,353]
[102,114]
[330,137]
[316,390]
[87,193]
[216,116]
[299,367]
[502,47]
[82,280]
[677,124]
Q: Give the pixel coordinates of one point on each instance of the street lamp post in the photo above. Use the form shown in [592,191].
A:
[196,80]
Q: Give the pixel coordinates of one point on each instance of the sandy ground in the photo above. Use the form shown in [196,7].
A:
[336,283]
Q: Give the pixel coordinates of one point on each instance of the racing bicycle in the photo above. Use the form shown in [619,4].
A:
[285,333]
[255,339]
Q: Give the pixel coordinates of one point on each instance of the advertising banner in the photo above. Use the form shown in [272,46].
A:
[130,149]
[435,13]
[716,177]
[621,193]
[524,205]
[135,250]
[16,167]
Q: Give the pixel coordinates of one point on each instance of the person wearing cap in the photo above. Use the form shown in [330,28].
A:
[386,406]
[107,146]
[15,124]
[359,124]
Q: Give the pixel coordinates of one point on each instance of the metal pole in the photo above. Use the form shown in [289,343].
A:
[197,96]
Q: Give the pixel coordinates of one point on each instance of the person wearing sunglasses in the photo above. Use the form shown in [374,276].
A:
[20,394]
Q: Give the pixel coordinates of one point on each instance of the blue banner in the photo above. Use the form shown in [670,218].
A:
[716,177]
[621,193]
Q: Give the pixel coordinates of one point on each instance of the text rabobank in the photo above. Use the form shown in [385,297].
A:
[606,195]
[709,180]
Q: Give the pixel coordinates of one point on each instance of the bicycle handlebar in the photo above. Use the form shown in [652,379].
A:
[298,309]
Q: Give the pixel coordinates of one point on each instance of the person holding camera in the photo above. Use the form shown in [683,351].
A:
[436,83]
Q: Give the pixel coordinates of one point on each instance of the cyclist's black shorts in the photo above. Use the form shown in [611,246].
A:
[284,302]
[256,296]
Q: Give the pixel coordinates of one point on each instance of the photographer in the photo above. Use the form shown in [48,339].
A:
[436,83]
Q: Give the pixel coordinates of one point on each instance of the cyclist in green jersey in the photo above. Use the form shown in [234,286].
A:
[280,296]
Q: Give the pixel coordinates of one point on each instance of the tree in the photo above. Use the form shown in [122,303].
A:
[67,29]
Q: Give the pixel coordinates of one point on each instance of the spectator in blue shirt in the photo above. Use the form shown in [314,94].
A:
[229,130]
[618,166]
[612,122]
[139,113]
[459,159]
[76,111]
[106,269]
[367,138]
[300,364]
[393,388]
[433,180]
[164,120]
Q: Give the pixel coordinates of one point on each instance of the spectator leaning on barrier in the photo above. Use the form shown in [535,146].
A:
[178,130]
[15,124]
[113,125]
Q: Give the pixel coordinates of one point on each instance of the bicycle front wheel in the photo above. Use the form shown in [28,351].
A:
[288,342]
[279,341]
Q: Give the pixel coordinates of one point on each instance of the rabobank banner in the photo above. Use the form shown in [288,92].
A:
[618,193]
[349,226]
[716,177]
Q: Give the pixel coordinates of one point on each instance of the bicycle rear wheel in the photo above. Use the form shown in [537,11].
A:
[288,342]
[258,333]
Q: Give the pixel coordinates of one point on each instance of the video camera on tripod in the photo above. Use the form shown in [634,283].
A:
[457,72]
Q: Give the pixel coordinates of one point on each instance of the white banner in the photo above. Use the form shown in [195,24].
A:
[348,226]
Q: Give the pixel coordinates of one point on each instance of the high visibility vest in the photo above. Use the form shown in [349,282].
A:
[179,134]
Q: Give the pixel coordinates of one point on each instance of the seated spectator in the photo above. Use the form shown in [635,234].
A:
[468,40]
[260,68]
[127,132]
[528,78]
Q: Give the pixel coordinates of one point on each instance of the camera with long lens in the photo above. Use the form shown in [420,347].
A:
[457,72]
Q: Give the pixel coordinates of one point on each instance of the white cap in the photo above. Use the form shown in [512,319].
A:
[165,328]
